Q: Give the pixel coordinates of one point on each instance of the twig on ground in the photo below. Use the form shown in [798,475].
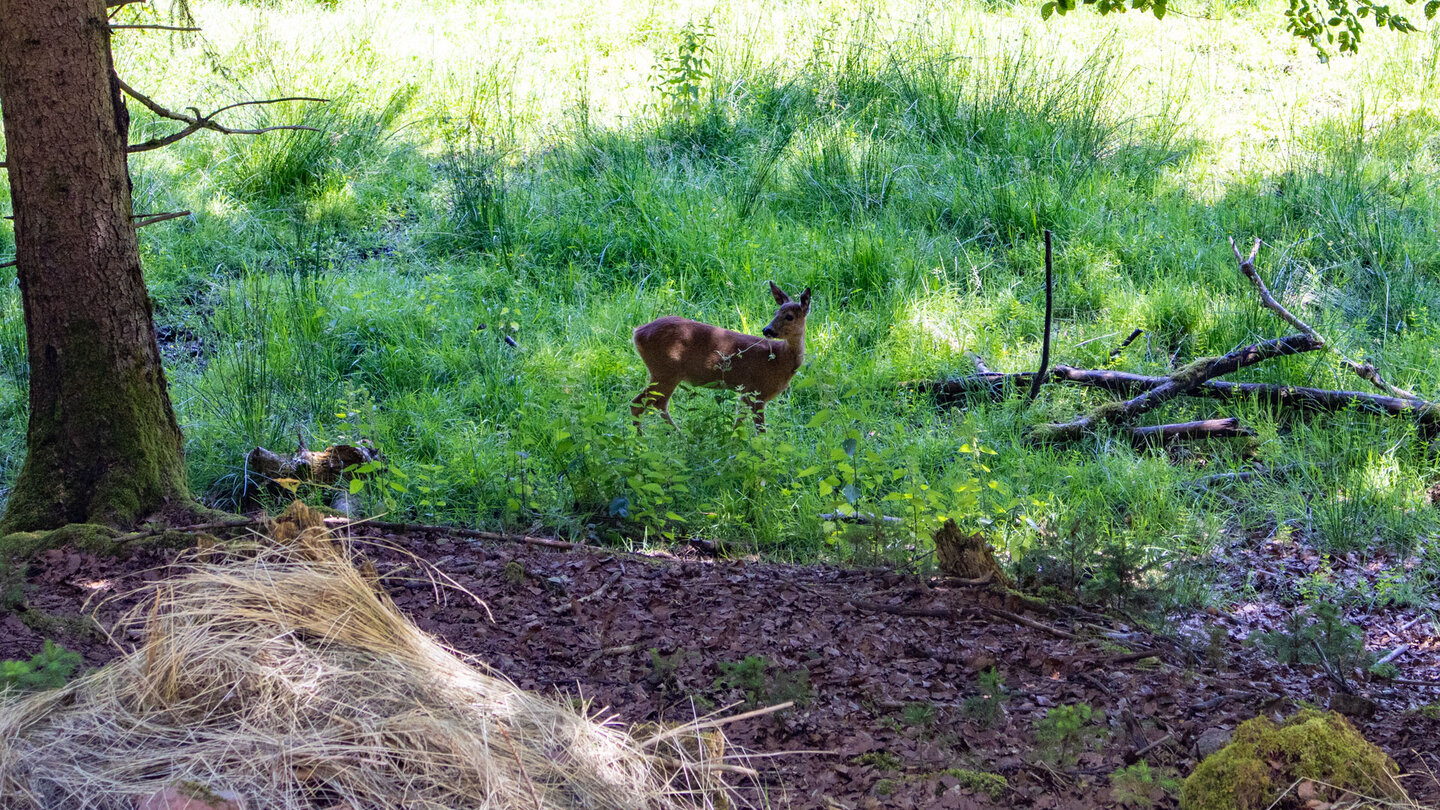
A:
[233,523]
[600,591]
[1242,476]
[971,582]
[1129,384]
[902,610]
[1097,683]
[1151,747]
[1134,656]
[385,525]
[1393,654]
[720,721]
[1031,623]
[623,649]
[1413,682]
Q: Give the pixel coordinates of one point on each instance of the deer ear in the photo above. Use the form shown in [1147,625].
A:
[780,297]
[805,299]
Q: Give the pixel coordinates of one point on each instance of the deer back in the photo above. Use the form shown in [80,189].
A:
[681,350]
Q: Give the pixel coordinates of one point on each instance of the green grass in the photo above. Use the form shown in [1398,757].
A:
[483,163]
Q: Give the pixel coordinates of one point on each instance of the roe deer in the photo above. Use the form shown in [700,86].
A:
[677,350]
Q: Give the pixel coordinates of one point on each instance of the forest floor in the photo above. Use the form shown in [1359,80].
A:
[884,668]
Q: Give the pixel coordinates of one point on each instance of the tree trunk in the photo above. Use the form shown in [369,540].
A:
[103,444]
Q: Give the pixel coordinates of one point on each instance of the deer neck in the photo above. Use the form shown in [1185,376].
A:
[794,348]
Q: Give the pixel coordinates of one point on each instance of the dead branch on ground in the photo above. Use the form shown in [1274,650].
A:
[1126,383]
[1182,381]
[1228,427]
[1196,379]
[1364,371]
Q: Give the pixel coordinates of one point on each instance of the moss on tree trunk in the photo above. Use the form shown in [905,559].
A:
[103,443]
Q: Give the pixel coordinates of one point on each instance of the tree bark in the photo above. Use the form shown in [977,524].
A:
[103,445]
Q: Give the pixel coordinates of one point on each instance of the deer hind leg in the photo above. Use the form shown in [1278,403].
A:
[658,395]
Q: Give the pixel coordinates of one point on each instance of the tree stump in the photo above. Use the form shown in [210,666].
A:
[967,556]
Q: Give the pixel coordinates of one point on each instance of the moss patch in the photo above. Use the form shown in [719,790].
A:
[91,537]
[990,784]
[1265,759]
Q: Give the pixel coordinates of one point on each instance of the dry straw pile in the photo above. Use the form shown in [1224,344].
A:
[285,675]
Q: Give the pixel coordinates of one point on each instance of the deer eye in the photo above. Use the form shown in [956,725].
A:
[789,317]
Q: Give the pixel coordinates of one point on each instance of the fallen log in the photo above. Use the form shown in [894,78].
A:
[1189,431]
[1184,379]
[862,518]
[1320,400]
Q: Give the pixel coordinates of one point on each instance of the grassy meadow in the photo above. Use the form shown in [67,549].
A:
[561,172]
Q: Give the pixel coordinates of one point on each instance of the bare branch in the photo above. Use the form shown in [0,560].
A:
[137,26]
[1182,381]
[1188,431]
[1364,371]
[156,143]
[950,391]
[195,121]
[143,220]
[1124,344]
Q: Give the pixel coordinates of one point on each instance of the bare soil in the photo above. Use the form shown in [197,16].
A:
[884,668]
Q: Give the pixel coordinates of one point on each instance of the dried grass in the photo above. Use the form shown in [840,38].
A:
[285,675]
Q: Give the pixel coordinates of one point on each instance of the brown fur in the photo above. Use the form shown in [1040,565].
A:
[677,350]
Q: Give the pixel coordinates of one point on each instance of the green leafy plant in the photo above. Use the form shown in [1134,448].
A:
[879,760]
[1332,23]
[48,669]
[680,78]
[1141,786]
[993,785]
[988,705]
[1318,634]
[1066,731]
[918,714]
[763,682]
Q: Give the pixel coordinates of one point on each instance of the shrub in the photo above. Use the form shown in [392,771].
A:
[48,669]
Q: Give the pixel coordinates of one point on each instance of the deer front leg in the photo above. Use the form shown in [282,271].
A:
[757,409]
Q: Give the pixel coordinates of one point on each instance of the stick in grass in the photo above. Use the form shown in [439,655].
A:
[1049,311]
